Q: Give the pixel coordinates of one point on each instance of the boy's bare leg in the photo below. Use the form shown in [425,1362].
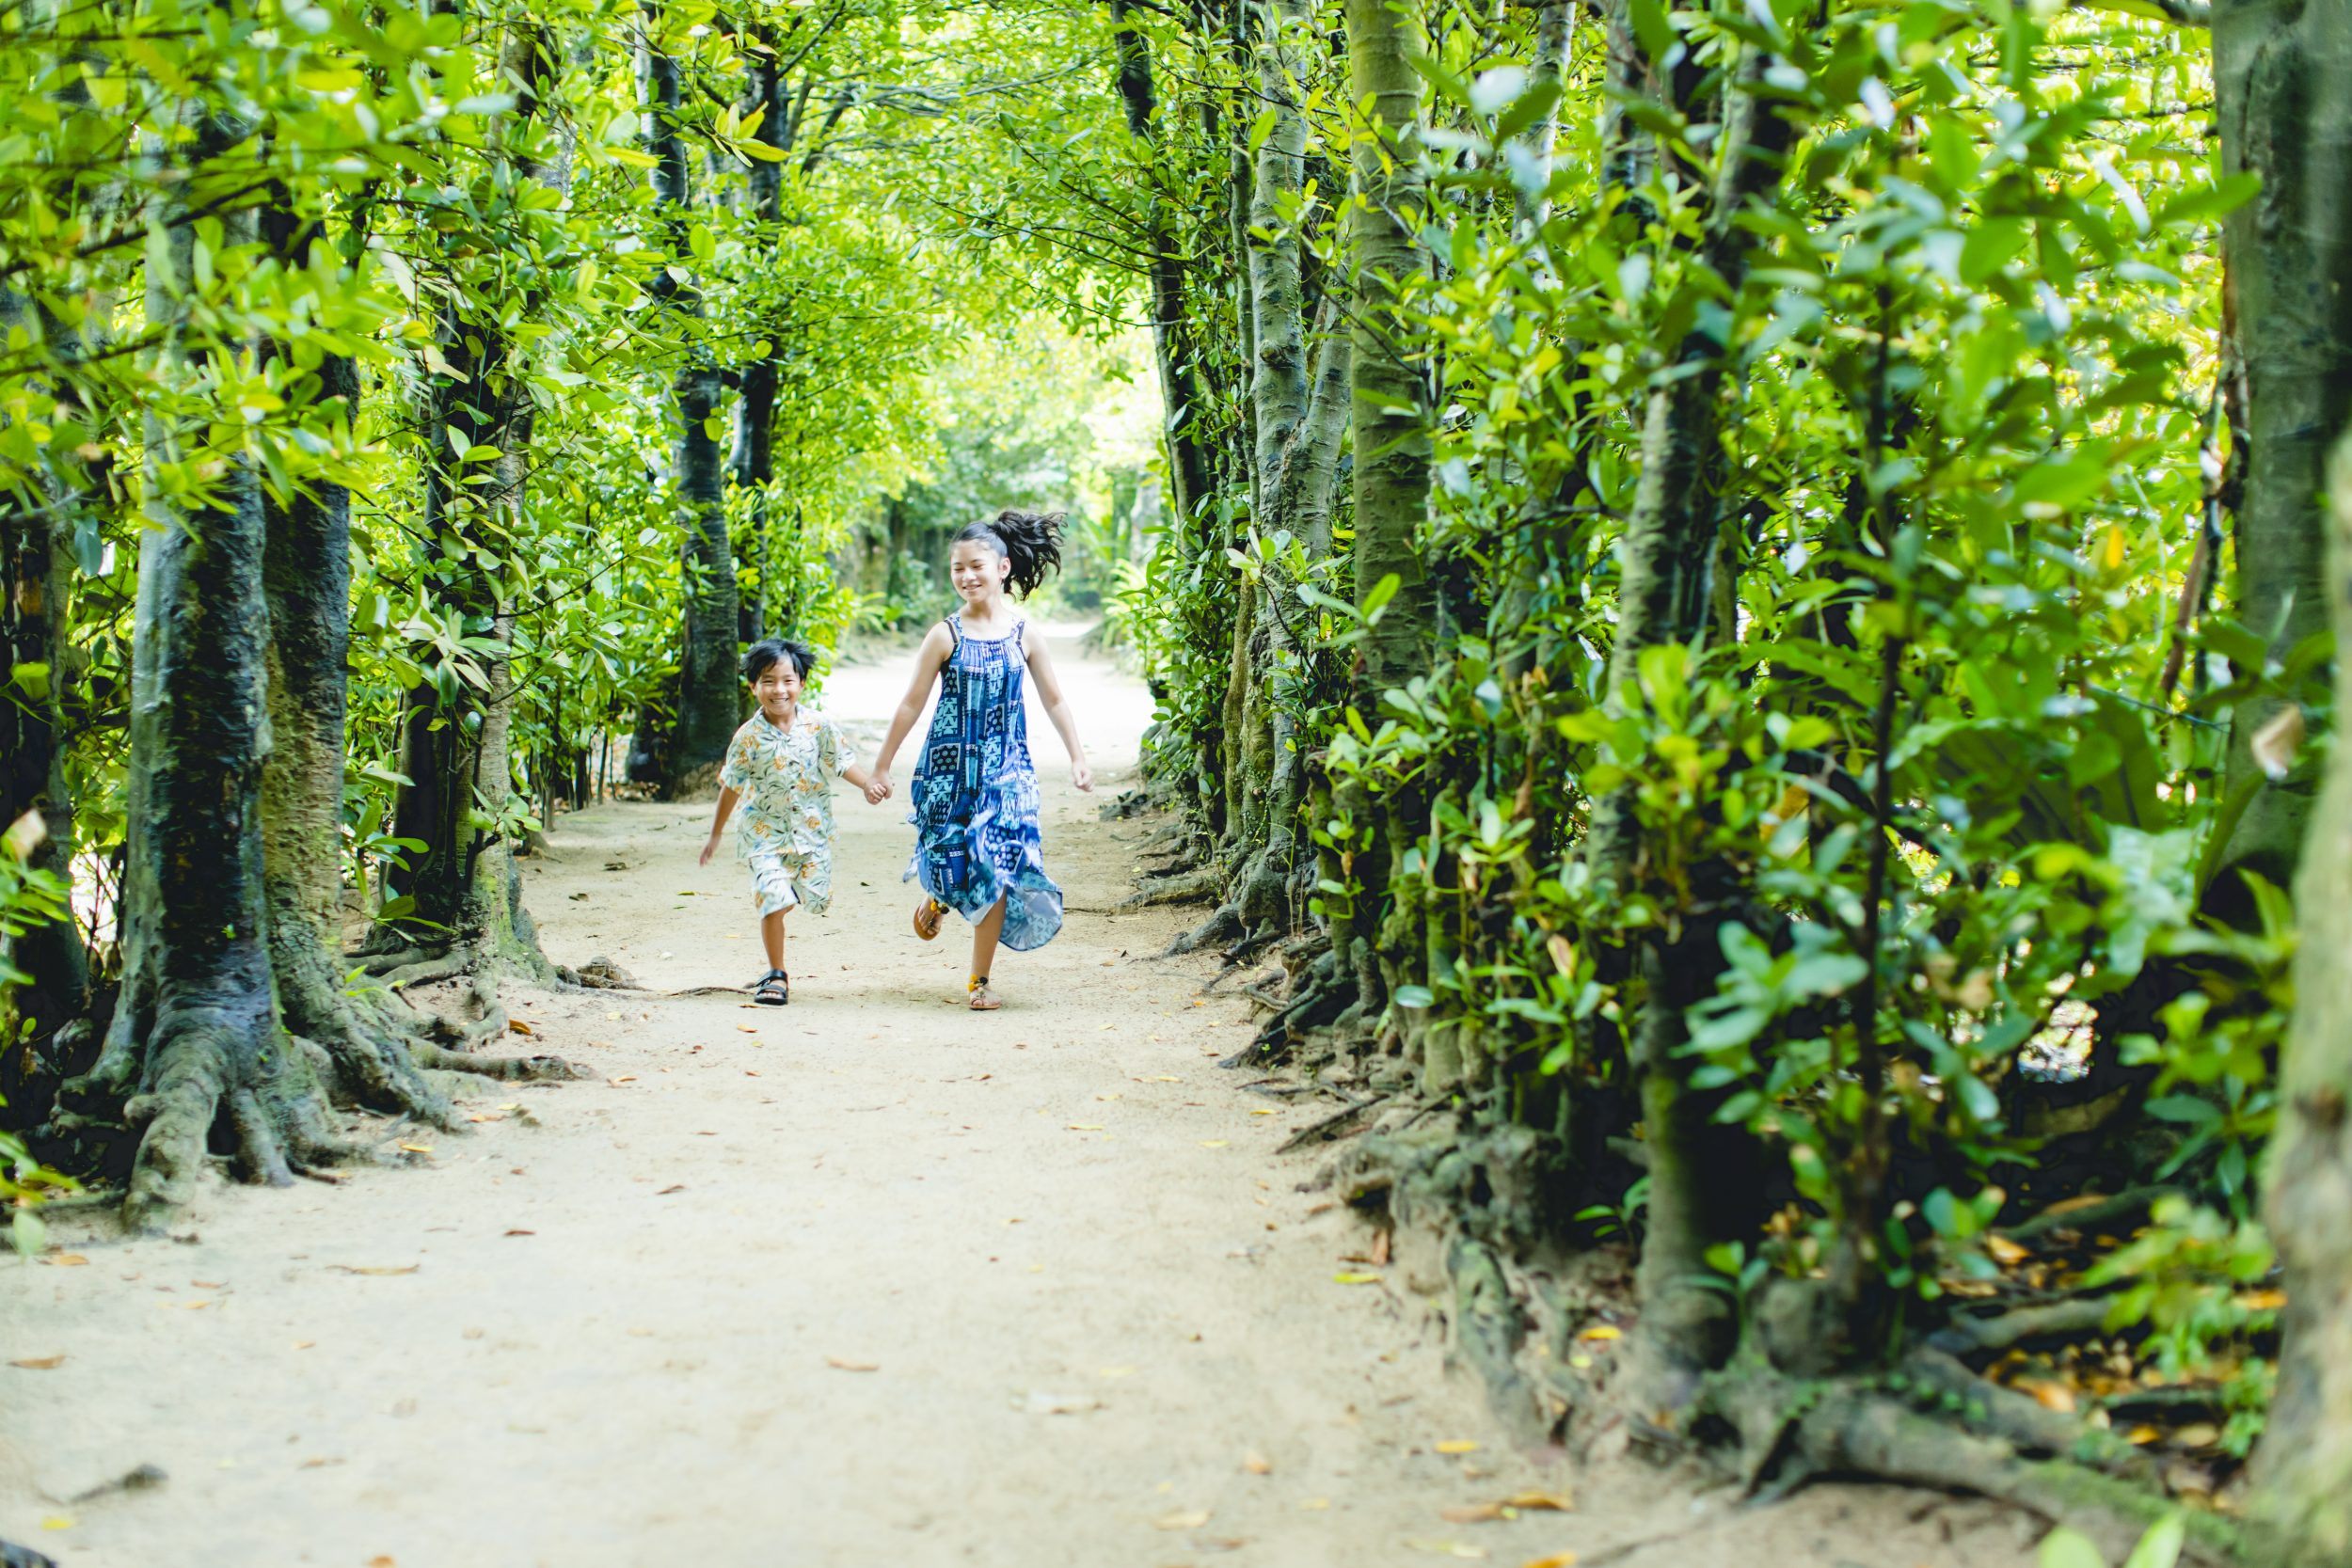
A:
[771,937]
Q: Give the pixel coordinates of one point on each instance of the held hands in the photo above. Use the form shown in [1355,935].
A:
[878,788]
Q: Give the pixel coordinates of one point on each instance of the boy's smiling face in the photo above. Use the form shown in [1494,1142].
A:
[778,690]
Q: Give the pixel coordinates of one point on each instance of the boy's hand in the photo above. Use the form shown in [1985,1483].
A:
[877,788]
[1083,776]
[710,845]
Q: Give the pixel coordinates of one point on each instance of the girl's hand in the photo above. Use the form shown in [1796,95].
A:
[1083,776]
[877,789]
[709,844]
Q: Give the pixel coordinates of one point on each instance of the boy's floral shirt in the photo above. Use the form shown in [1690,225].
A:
[785,778]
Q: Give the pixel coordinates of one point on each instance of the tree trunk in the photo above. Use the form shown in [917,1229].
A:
[1174,352]
[207,1053]
[1391,444]
[454,743]
[1701,1181]
[752,463]
[2303,1470]
[2285,111]
[37,660]
[2284,79]
[306,573]
[708,694]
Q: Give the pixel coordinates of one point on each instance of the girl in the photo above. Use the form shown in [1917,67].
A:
[780,764]
[976,848]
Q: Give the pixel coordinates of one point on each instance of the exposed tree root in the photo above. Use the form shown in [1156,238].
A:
[1322,996]
[1223,926]
[1337,1125]
[426,971]
[2075,1315]
[2098,1215]
[510,1069]
[1184,887]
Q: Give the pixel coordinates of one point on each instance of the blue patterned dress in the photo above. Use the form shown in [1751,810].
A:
[976,801]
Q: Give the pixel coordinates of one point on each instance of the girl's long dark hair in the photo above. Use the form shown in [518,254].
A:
[1032,541]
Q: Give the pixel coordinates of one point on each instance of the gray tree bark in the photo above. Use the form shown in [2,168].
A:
[2285,114]
[708,694]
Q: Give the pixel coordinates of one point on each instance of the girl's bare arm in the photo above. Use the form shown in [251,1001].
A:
[1057,710]
[936,646]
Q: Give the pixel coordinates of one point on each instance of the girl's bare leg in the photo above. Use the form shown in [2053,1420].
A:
[771,937]
[984,935]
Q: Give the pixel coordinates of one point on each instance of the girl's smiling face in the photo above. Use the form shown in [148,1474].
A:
[778,690]
[977,570]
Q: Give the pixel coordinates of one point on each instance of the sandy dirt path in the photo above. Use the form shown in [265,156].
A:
[869,1281]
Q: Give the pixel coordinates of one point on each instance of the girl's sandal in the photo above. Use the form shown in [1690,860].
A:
[928,915]
[774,989]
[982,999]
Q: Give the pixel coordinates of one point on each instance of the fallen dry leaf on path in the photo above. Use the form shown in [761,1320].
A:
[672,1187]
[1213,1143]
[416,1149]
[1557,1559]
[1456,1444]
[67,1261]
[1472,1514]
[1059,1404]
[1085,1127]
[623,1078]
[522,1233]
[349,1268]
[1189,1518]
[746,1028]
[516,1025]
[843,1364]
[38,1363]
[1257,1463]
[1600,1332]
[1354,1279]
[319,1463]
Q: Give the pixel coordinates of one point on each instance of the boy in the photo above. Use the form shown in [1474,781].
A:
[780,765]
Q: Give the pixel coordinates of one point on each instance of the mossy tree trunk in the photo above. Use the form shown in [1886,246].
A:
[708,694]
[1702,1171]
[1390,416]
[37,660]
[2284,73]
[465,890]
[751,461]
[2285,113]
[1175,348]
[1298,405]
[196,1054]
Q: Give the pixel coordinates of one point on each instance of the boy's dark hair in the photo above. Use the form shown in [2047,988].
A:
[770,651]
[1030,540]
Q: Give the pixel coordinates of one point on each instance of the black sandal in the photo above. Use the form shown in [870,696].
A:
[774,989]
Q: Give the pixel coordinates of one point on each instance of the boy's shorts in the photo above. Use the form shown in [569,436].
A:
[771,885]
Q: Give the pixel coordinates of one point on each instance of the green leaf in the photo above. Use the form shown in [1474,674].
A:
[1415,997]
[2161,1547]
[1991,246]
[1654,28]
[2069,1548]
